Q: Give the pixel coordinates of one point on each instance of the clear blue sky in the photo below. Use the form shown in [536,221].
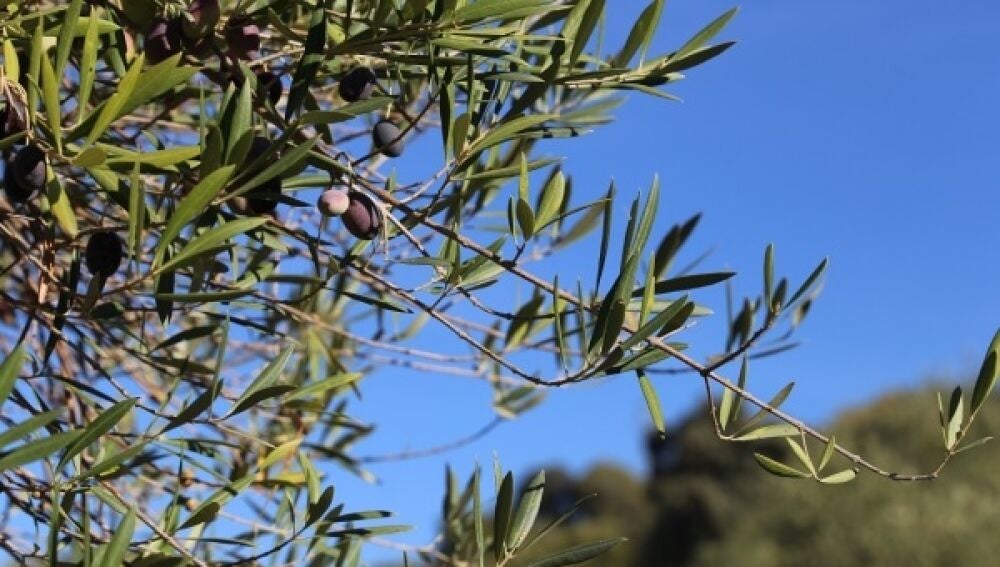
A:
[863,131]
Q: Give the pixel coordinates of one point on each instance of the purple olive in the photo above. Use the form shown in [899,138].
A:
[163,40]
[333,202]
[11,122]
[104,253]
[27,173]
[362,218]
[242,38]
[387,138]
[201,18]
[357,84]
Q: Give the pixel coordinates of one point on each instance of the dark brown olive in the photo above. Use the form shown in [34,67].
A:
[163,40]
[242,38]
[28,171]
[104,253]
[15,194]
[362,218]
[201,18]
[386,137]
[268,82]
[357,84]
[259,200]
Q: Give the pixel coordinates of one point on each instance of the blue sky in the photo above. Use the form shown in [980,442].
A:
[863,131]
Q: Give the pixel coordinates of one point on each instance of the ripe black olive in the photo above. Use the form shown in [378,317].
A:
[386,137]
[163,40]
[201,18]
[362,218]
[242,38]
[104,253]
[357,84]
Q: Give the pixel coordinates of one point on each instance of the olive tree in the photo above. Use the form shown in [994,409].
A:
[203,252]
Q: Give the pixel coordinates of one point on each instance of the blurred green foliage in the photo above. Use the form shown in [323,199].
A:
[707,503]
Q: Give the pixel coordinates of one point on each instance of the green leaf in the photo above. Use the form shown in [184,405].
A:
[114,554]
[578,554]
[266,379]
[60,206]
[22,429]
[211,240]
[729,406]
[768,432]
[989,372]
[525,219]
[956,415]
[291,158]
[9,369]
[592,15]
[110,463]
[195,408]
[346,112]
[508,130]
[502,517]
[774,402]
[551,200]
[527,511]
[831,446]
[779,469]
[706,34]
[104,423]
[654,324]
[331,383]
[652,402]
[806,285]
[685,283]
[117,104]
[312,59]
[50,92]
[90,157]
[769,278]
[846,475]
[37,450]
[477,515]
[88,68]
[641,34]
[192,206]
[486,9]
[209,509]
[161,159]
[67,28]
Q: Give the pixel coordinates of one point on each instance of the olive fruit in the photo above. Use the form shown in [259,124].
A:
[26,173]
[104,253]
[200,19]
[163,39]
[15,194]
[259,200]
[387,138]
[362,218]
[242,37]
[268,82]
[357,84]
[333,202]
